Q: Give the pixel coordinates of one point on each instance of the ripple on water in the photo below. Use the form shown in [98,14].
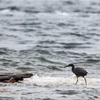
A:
[6,98]
[46,34]
[67,92]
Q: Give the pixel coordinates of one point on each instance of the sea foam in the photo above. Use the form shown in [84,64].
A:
[60,81]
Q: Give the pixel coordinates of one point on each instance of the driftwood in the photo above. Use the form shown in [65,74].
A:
[12,78]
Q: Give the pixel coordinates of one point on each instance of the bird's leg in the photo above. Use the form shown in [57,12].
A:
[85,80]
[76,81]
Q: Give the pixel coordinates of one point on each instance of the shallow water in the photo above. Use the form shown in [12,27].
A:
[51,88]
[41,37]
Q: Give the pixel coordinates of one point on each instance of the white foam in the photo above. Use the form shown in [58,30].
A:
[56,81]
[6,11]
[62,13]
[47,80]
[9,12]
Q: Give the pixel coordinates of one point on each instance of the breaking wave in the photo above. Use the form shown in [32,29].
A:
[60,81]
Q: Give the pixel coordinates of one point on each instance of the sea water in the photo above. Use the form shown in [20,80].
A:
[41,37]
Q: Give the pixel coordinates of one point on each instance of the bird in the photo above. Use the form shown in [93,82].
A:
[79,72]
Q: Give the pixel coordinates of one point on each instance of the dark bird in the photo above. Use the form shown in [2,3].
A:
[78,72]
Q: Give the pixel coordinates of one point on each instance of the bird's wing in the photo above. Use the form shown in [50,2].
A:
[81,71]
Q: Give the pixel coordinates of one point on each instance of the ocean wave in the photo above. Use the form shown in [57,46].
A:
[61,81]
[48,60]
[10,11]
[6,51]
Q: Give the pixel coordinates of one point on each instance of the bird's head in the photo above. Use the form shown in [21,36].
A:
[70,65]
